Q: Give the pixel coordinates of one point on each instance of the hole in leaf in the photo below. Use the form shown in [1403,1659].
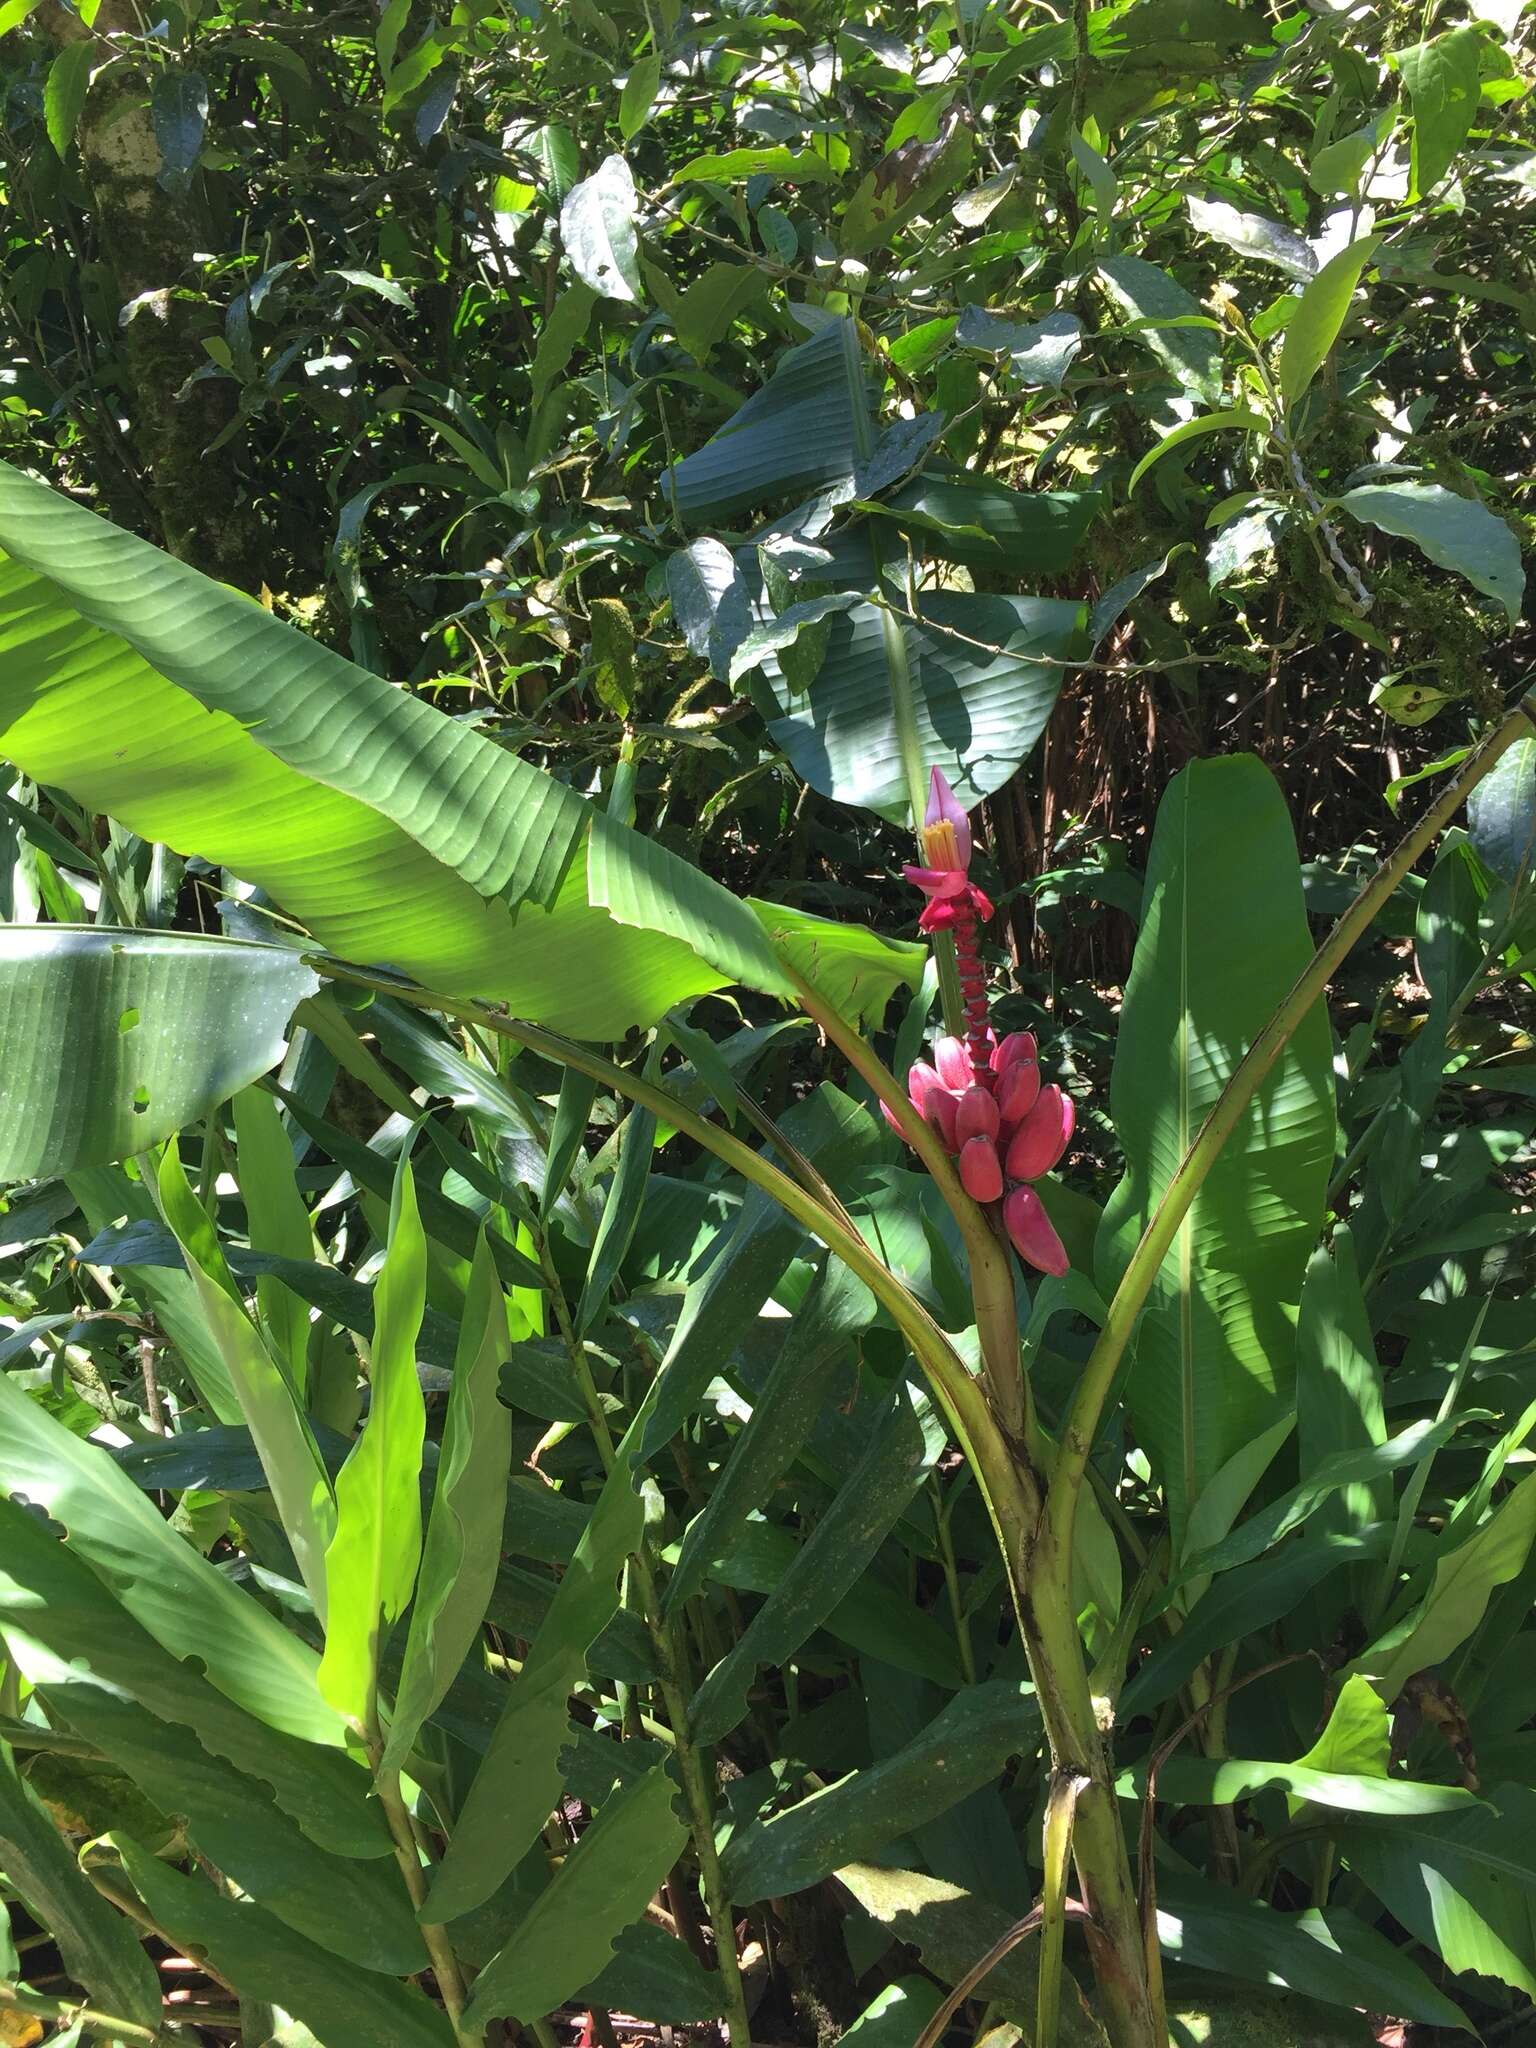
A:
[127,1021]
[140,1099]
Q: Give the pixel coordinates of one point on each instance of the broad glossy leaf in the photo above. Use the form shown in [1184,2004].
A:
[395,832]
[965,1747]
[1223,935]
[1501,815]
[1463,1883]
[463,1541]
[1031,534]
[266,1961]
[979,708]
[1443,78]
[519,1779]
[604,1884]
[370,1565]
[597,228]
[807,427]
[710,601]
[901,1451]
[1324,306]
[1455,532]
[1329,1955]
[183,1601]
[98,1946]
[1254,235]
[160,1028]
[1192,355]
[1238,418]
[854,969]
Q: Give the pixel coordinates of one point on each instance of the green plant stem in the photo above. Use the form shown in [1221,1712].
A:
[1157,1239]
[445,1964]
[107,2025]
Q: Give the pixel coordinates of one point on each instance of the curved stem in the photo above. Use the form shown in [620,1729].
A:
[992,1293]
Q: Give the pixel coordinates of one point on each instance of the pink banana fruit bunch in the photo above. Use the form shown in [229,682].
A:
[1004,1131]
[982,1097]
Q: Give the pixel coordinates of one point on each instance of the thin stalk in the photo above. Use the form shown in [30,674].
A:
[1157,1239]
[106,2025]
[445,1964]
[697,1792]
[1060,1813]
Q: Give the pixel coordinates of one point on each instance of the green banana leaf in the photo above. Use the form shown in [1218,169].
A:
[1223,937]
[394,833]
[114,1039]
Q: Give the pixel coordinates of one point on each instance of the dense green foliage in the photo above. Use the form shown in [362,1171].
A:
[520,1498]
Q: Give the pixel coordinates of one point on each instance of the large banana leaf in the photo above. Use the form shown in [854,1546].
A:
[114,1039]
[985,673]
[1222,938]
[395,833]
[807,428]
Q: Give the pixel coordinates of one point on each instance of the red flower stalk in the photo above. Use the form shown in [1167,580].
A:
[955,904]
[984,1099]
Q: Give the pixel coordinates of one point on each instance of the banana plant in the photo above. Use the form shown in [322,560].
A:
[408,859]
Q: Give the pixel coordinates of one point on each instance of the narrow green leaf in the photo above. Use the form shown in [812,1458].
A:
[607,1881]
[901,1450]
[1344,1468]
[370,1566]
[267,1962]
[519,1779]
[1222,1781]
[620,1213]
[836,1309]
[965,1747]
[289,1455]
[1314,327]
[1192,430]
[463,1542]
[1464,1581]
[639,95]
[735,166]
[577,1094]
[278,1223]
[184,1602]
[49,1598]
[355,1909]
[98,1946]
[559,336]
